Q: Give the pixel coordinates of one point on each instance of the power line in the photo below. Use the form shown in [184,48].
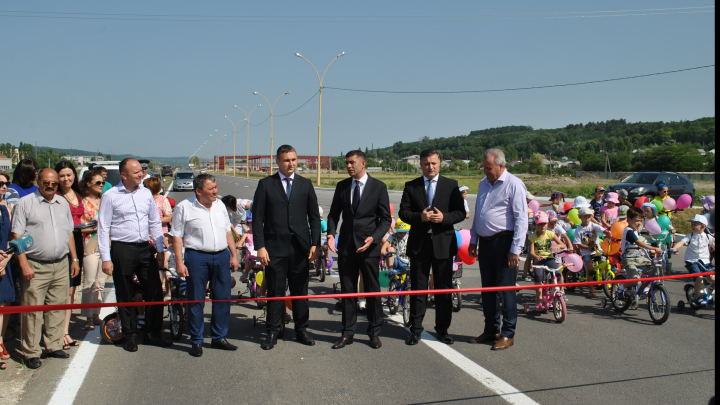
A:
[282,115]
[520,88]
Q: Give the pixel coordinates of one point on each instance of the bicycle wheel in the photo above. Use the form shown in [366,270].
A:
[111,329]
[659,304]
[406,308]
[176,321]
[322,264]
[608,287]
[559,309]
[392,301]
[456,300]
[620,304]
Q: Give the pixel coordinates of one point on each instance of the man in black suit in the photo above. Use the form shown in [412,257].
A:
[284,205]
[431,204]
[365,207]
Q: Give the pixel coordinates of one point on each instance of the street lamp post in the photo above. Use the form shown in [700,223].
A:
[217,166]
[247,145]
[223,150]
[320,79]
[272,108]
[234,128]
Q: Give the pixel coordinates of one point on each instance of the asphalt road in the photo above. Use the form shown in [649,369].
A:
[596,355]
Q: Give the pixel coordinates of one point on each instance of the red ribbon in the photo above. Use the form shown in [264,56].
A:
[64,307]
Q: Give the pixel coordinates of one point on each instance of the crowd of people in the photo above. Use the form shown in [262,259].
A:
[85,230]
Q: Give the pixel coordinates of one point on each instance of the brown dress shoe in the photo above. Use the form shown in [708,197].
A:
[344,341]
[485,338]
[375,342]
[503,343]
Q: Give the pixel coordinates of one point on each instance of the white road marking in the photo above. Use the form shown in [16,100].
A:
[72,380]
[494,383]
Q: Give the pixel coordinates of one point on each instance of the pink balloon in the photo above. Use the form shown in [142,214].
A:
[393,223]
[465,233]
[684,201]
[669,204]
[573,262]
[534,205]
[653,227]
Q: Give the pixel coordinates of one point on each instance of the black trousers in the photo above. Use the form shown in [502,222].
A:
[350,268]
[494,272]
[419,276]
[137,259]
[293,271]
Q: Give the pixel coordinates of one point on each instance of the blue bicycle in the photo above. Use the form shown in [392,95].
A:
[399,280]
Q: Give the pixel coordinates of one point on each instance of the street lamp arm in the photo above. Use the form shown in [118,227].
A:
[313,66]
[268,101]
[326,69]
[278,99]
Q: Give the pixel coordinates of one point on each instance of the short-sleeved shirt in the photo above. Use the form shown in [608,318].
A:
[237,217]
[597,206]
[628,245]
[611,215]
[587,235]
[201,229]
[698,247]
[400,246]
[559,230]
[543,243]
[50,224]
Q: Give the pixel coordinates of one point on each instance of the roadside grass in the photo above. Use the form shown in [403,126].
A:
[680,219]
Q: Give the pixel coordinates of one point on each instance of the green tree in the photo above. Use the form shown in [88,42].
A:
[535,164]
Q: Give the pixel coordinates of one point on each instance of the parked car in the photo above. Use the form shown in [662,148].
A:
[167,171]
[162,182]
[645,183]
[113,172]
[183,180]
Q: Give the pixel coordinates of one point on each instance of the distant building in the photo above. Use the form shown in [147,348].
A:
[712,151]
[513,163]
[83,159]
[702,152]
[411,160]
[5,162]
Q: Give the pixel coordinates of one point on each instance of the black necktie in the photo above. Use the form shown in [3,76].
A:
[356,197]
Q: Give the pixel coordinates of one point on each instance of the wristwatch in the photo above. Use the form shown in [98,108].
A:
[76,260]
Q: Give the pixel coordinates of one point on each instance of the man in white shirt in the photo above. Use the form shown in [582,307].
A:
[201,225]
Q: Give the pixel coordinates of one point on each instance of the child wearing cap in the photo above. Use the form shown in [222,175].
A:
[464,192]
[623,197]
[622,213]
[586,240]
[559,230]
[632,259]
[541,251]
[609,213]
[697,254]
[598,203]
[663,190]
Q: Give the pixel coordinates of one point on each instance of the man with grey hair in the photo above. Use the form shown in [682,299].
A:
[202,226]
[497,238]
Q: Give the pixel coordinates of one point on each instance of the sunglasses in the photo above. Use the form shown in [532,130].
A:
[663,191]
[5,183]
[52,184]
[99,183]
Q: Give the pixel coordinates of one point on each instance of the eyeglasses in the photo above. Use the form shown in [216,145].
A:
[50,183]
[5,183]
[99,183]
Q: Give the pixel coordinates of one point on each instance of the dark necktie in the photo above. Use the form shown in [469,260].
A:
[356,197]
[288,189]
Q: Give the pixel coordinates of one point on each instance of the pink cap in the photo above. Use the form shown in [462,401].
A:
[541,218]
[612,197]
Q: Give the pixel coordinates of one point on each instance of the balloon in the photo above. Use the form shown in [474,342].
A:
[459,238]
[658,205]
[605,246]
[534,205]
[383,279]
[259,278]
[332,261]
[568,206]
[574,217]
[614,248]
[640,201]
[653,227]
[465,256]
[663,221]
[668,238]
[617,229]
[323,225]
[288,304]
[669,204]
[684,201]
[392,224]
[392,208]
[571,234]
[573,262]
[465,234]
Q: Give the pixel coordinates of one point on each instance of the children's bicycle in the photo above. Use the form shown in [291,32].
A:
[552,296]
[255,279]
[658,298]
[457,297]
[602,271]
[707,293]
[111,329]
[399,280]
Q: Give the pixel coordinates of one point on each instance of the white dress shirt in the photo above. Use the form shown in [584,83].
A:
[128,216]
[433,189]
[362,181]
[284,183]
[201,229]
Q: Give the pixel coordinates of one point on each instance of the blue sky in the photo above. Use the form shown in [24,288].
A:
[161,88]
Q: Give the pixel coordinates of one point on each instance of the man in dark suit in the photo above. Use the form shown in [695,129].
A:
[365,207]
[431,204]
[284,205]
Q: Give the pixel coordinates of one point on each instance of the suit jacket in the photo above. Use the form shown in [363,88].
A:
[371,219]
[448,200]
[276,220]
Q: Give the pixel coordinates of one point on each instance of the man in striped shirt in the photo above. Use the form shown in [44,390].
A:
[129,215]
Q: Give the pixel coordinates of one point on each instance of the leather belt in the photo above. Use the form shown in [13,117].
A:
[48,261]
[136,244]
[497,235]
[207,253]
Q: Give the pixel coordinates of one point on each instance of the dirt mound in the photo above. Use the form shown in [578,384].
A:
[586,175]
[554,181]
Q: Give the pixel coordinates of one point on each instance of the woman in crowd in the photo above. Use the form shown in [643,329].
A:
[24,177]
[7,284]
[163,205]
[70,190]
[91,188]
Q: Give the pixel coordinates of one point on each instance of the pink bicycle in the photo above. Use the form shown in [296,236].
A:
[552,296]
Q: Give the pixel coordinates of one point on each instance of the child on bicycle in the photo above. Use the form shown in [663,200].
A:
[554,225]
[633,261]
[609,213]
[541,253]
[586,241]
[530,231]
[623,197]
[555,199]
[394,247]
[697,255]
[650,213]
[597,203]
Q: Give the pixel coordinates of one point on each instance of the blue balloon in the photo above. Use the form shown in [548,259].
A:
[458,237]
[323,225]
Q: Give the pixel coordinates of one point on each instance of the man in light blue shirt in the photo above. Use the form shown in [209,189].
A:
[497,238]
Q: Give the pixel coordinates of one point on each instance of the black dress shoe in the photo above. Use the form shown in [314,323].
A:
[486,338]
[196,350]
[156,341]
[130,345]
[445,338]
[58,354]
[344,341]
[223,344]
[304,338]
[413,339]
[270,341]
[33,363]
[375,342]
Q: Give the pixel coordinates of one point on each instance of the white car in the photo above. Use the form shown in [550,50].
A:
[113,172]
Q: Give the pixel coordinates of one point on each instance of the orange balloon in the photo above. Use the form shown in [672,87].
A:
[288,303]
[605,245]
[614,248]
[617,229]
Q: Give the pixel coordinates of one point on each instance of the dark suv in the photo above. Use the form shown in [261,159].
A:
[645,183]
[167,171]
